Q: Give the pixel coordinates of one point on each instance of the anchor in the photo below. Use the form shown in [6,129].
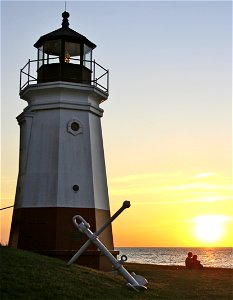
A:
[135,282]
[126,204]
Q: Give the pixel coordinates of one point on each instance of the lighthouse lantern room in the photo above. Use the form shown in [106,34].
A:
[61,160]
[64,54]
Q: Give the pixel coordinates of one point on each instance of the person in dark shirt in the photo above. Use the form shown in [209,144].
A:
[196,264]
[189,261]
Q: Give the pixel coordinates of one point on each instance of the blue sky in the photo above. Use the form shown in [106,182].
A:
[170,63]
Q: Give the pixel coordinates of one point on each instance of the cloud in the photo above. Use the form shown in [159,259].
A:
[185,201]
[173,188]
[204,175]
[199,186]
[137,177]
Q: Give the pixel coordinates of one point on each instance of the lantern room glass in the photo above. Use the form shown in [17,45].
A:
[53,47]
[52,51]
[72,53]
[59,51]
[87,57]
[40,56]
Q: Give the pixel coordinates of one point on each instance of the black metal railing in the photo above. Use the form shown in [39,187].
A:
[99,75]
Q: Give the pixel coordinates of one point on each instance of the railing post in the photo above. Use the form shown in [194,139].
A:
[28,70]
[20,80]
[94,72]
[108,81]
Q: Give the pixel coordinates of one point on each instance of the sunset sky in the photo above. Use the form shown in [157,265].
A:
[167,122]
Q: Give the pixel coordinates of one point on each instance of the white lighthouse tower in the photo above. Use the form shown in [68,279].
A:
[62,168]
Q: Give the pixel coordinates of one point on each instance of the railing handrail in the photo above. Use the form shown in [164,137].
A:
[30,75]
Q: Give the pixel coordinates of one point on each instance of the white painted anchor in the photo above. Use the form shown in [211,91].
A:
[135,282]
[126,204]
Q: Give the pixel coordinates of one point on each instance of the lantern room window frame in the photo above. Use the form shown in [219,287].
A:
[83,57]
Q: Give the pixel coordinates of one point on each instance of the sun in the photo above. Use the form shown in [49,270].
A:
[209,228]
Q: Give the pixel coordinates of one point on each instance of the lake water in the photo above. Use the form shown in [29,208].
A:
[209,257]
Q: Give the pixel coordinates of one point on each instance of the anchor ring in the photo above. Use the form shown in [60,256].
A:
[124,258]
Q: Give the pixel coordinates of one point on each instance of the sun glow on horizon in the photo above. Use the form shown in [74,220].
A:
[209,228]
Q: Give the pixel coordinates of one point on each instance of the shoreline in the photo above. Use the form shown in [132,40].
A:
[175,256]
[177,267]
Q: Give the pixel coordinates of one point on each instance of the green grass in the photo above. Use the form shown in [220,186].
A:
[26,275]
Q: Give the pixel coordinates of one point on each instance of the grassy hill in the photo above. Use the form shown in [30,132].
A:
[26,275]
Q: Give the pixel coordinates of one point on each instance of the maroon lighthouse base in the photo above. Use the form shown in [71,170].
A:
[50,231]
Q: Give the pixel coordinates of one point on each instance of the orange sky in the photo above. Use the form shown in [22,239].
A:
[165,209]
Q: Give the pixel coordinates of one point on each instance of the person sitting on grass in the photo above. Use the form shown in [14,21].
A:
[196,263]
[189,260]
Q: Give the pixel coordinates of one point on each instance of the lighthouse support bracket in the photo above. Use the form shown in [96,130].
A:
[135,282]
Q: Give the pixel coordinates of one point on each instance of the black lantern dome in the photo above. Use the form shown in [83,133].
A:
[64,55]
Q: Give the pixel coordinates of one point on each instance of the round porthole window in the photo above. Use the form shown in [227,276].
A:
[75,188]
[74,127]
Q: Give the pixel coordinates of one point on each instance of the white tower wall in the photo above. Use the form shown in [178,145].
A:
[53,159]
[56,159]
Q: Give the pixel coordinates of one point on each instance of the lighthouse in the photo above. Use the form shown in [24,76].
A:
[61,159]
